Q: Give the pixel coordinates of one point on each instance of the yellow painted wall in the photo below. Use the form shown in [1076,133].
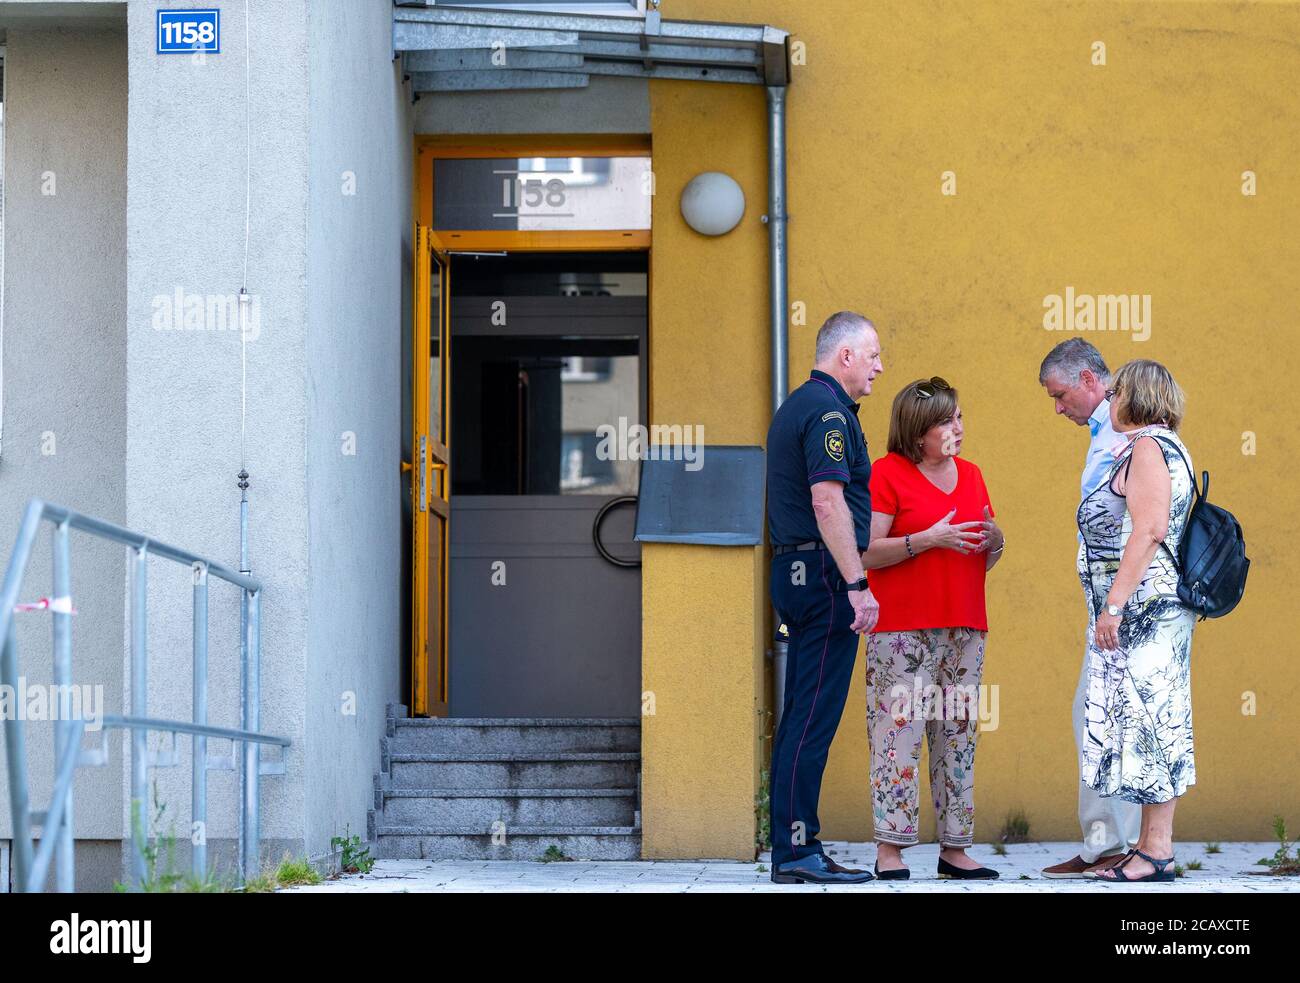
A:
[704,678]
[704,609]
[1122,178]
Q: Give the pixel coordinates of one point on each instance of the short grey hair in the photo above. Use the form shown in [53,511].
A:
[839,329]
[1068,359]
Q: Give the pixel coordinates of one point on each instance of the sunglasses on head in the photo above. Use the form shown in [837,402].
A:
[927,390]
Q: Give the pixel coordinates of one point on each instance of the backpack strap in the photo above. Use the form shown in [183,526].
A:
[1128,463]
[1197,494]
[1187,464]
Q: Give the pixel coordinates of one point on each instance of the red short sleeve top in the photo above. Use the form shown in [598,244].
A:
[938,588]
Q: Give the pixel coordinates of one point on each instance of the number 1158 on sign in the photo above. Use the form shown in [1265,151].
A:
[188,31]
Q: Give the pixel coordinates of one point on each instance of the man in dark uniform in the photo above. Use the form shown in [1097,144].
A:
[819,522]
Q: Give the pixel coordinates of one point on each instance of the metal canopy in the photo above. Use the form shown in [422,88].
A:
[479,48]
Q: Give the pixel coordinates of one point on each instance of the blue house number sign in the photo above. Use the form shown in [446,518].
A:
[183,32]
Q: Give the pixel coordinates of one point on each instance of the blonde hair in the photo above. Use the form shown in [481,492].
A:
[1146,393]
[912,417]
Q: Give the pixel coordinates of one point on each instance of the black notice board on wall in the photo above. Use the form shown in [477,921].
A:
[714,500]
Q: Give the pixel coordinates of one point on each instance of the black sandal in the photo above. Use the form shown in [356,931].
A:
[1160,873]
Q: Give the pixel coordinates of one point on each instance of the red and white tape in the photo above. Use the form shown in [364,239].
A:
[57,605]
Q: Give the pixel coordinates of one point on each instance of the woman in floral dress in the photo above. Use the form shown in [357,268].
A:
[1138,707]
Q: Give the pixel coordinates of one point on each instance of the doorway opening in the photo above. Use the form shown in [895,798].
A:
[534,559]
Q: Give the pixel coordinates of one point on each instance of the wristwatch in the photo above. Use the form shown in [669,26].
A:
[1113,611]
[860,585]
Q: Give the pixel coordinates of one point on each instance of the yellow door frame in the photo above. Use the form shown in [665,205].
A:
[430,472]
[430,478]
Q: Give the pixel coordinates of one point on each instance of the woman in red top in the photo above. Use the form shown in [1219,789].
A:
[933,537]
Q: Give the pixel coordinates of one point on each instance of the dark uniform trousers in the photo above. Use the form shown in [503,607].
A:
[818,670]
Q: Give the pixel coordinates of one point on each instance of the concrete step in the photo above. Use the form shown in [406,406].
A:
[507,788]
[559,769]
[527,734]
[460,807]
[519,843]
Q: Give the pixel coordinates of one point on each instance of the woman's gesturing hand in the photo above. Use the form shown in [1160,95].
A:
[962,537]
[992,535]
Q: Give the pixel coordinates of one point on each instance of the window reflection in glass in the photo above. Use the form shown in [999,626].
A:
[534,413]
[542,193]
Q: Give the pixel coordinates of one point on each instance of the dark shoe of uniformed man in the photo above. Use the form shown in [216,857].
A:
[819,522]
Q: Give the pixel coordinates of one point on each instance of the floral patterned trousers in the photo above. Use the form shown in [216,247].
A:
[924,681]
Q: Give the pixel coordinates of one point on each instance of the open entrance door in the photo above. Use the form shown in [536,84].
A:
[548,378]
[430,475]
[536,590]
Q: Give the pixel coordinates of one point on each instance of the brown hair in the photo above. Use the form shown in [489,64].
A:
[1146,393]
[912,416]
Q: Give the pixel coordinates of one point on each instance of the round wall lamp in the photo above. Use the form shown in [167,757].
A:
[713,203]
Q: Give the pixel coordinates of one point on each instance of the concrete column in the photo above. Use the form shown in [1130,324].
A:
[187,136]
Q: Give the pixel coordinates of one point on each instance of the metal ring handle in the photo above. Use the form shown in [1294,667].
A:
[605,509]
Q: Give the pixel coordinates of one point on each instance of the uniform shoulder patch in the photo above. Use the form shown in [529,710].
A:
[835,415]
[835,445]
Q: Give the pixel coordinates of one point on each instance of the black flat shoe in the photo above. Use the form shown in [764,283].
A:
[817,869]
[948,872]
[898,874]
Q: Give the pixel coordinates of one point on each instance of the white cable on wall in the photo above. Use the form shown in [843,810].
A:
[3,195]
[243,292]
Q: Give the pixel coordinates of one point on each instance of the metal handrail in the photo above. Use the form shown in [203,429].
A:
[198,730]
[31,868]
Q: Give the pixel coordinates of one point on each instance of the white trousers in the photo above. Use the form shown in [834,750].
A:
[1109,824]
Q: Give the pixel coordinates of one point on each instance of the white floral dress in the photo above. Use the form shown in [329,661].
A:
[1138,708]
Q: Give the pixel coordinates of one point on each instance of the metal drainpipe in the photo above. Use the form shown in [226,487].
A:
[776,222]
[779,308]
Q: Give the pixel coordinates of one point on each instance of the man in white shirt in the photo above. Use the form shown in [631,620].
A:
[1075,376]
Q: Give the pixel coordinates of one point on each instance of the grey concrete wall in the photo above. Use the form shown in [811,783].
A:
[606,105]
[358,224]
[145,403]
[185,217]
[146,413]
[47,14]
[65,364]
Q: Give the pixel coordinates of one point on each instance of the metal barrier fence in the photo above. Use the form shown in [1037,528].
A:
[31,866]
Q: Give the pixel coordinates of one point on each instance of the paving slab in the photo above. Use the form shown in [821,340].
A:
[1234,867]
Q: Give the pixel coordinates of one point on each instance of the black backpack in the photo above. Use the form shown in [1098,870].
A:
[1212,562]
